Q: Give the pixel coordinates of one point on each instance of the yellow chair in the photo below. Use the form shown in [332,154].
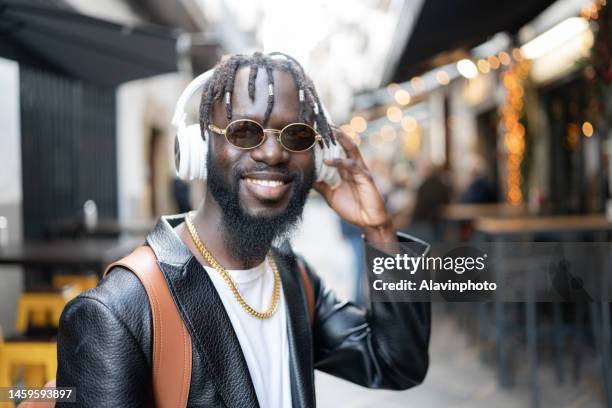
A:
[38,358]
[82,282]
[43,308]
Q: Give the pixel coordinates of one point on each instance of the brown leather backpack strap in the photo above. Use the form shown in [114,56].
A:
[171,340]
[308,290]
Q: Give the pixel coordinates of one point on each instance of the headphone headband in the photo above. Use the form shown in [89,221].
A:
[194,86]
[191,149]
[178,119]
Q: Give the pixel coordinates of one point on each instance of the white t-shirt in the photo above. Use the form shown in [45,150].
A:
[264,342]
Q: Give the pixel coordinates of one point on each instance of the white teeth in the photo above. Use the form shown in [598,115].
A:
[267,183]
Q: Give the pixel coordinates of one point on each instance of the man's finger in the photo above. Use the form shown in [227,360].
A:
[347,168]
[347,164]
[349,146]
[323,188]
[347,143]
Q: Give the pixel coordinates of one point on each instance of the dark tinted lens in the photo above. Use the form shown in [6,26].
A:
[244,133]
[298,137]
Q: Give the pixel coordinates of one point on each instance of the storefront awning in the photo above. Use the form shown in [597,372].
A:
[445,26]
[94,50]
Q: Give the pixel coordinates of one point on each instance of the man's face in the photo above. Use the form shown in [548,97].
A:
[242,171]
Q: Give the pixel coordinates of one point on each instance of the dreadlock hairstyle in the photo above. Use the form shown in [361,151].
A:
[221,86]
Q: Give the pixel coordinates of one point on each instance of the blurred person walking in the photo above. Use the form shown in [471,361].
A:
[353,236]
[480,189]
[432,194]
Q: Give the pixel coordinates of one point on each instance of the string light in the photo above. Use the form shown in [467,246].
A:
[493,62]
[417,83]
[402,97]
[348,130]
[359,124]
[411,143]
[591,11]
[394,114]
[484,66]
[467,69]
[504,58]
[442,77]
[599,67]
[572,138]
[514,136]
[392,87]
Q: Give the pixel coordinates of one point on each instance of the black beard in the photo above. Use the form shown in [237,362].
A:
[250,237]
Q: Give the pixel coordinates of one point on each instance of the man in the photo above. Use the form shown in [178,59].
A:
[250,347]
[433,193]
[480,189]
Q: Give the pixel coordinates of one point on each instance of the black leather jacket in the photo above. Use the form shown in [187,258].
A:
[104,343]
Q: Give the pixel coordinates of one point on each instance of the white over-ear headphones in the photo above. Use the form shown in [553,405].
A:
[190,149]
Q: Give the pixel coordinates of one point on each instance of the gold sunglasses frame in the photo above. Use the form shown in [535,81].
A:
[279,133]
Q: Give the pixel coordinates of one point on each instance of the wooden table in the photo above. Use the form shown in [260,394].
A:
[495,226]
[500,229]
[458,219]
[469,212]
[84,253]
[73,227]
[139,229]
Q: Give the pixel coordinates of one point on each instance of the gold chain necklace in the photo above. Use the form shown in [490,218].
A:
[230,282]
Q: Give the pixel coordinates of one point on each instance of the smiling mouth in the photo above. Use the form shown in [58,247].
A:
[267,186]
[267,183]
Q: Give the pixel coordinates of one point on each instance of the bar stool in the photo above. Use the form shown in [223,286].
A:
[37,356]
[82,282]
[43,307]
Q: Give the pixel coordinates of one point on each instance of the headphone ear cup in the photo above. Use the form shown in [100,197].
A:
[190,153]
[324,172]
[181,154]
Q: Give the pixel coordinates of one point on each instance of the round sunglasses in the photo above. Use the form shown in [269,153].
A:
[248,134]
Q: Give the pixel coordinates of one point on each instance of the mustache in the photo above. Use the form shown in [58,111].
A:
[263,167]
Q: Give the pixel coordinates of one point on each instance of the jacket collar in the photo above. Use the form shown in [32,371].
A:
[204,315]
[210,327]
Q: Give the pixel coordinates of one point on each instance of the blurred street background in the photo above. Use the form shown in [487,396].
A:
[479,120]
